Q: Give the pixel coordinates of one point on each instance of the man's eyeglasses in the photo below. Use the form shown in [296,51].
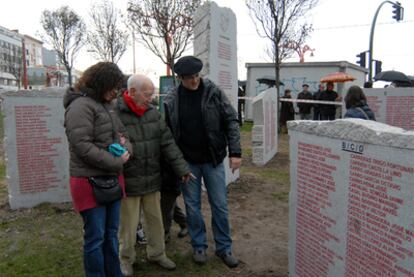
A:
[148,94]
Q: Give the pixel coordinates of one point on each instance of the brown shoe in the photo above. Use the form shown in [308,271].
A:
[127,269]
[165,263]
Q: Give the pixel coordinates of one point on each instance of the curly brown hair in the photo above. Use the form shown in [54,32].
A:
[100,78]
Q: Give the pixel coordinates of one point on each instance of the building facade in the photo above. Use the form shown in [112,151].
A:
[34,53]
[294,75]
[11,57]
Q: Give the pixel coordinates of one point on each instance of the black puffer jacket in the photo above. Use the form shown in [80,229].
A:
[220,121]
[151,139]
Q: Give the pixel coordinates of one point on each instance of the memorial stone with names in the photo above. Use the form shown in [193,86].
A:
[393,106]
[351,200]
[215,43]
[264,134]
[36,150]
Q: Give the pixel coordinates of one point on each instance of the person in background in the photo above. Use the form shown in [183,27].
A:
[91,125]
[305,108]
[368,84]
[328,111]
[287,112]
[356,104]
[151,139]
[316,108]
[241,102]
[204,124]
[170,190]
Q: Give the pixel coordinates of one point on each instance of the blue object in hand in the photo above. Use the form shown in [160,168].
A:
[116,149]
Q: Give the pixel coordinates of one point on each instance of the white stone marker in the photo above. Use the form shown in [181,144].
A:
[351,200]
[36,150]
[264,134]
[215,43]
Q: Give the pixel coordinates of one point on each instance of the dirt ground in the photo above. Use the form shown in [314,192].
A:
[258,204]
[259,216]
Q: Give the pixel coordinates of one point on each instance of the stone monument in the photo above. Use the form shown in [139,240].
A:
[393,106]
[264,132]
[351,200]
[215,43]
[36,150]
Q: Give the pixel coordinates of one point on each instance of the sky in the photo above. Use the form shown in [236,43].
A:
[341,31]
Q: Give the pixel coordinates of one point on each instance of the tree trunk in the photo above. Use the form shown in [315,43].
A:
[277,81]
[69,70]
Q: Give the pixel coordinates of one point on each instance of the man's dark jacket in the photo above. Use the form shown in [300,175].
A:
[305,108]
[219,118]
[328,95]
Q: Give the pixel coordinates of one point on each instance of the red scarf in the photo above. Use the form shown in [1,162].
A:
[138,110]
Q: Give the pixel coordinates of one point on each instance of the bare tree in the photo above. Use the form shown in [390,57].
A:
[64,31]
[164,26]
[107,40]
[281,21]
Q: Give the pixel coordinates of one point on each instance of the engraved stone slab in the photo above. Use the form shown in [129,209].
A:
[215,43]
[351,199]
[264,134]
[36,150]
[393,106]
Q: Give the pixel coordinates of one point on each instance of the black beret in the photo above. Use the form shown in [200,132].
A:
[305,85]
[188,65]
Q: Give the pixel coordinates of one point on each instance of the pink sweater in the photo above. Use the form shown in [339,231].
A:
[82,195]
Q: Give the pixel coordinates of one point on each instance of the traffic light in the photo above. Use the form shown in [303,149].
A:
[378,67]
[398,11]
[362,59]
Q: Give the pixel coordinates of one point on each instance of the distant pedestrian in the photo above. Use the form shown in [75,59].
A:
[328,111]
[305,109]
[368,84]
[287,112]
[316,107]
[356,104]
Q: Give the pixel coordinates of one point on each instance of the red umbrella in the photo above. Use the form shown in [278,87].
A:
[337,77]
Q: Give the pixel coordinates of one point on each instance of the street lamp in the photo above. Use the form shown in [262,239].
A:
[398,15]
[299,50]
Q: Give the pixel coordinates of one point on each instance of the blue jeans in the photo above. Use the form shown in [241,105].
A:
[100,249]
[215,182]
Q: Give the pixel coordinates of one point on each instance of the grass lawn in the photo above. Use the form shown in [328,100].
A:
[47,240]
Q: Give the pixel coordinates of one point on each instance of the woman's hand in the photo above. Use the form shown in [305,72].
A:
[122,139]
[125,157]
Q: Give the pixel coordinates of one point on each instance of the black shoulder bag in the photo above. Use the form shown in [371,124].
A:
[106,188]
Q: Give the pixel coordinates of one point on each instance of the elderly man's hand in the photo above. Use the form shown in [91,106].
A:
[235,163]
[186,178]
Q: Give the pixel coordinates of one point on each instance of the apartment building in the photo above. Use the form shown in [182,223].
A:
[11,66]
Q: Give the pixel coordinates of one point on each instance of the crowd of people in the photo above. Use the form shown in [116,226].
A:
[145,160]
[355,103]
[119,137]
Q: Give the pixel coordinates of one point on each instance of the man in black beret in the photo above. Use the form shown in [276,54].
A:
[305,108]
[204,124]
